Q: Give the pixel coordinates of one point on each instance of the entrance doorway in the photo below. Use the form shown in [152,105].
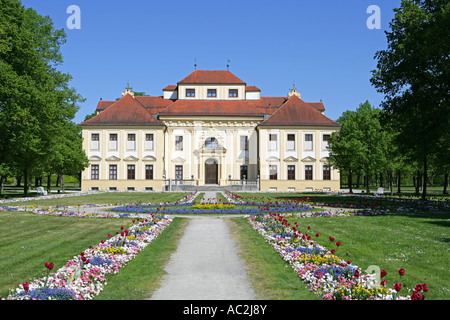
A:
[211,171]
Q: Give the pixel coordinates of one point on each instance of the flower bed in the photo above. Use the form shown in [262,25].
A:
[226,208]
[323,272]
[84,276]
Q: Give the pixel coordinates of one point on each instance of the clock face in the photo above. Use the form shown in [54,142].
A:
[211,144]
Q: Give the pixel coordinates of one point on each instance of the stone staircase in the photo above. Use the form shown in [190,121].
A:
[213,187]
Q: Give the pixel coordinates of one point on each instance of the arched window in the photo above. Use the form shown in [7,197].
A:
[211,144]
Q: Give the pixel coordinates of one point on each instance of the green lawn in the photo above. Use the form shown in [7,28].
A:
[28,241]
[415,241]
[105,198]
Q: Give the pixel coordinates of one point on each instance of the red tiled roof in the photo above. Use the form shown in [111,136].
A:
[153,104]
[252,88]
[170,87]
[212,108]
[102,105]
[296,112]
[212,77]
[318,106]
[125,111]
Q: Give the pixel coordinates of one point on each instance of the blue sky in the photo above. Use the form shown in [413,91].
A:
[322,46]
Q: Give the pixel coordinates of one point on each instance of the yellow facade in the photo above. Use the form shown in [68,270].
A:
[298,154]
[245,142]
[122,155]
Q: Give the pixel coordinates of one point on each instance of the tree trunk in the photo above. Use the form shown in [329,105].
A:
[49,178]
[425,178]
[1,184]
[398,182]
[417,183]
[25,184]
[350,182]
[390,182]
[367,183]
[445,181]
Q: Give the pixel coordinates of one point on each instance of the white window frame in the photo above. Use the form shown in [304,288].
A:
[273,144]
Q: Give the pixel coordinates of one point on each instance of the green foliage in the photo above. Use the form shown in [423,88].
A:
[361,144]
[36,102]
[413,74]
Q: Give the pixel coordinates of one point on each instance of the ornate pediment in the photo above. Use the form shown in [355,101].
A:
[113,158]
[324,159]
[273,159]
[149,158]
[178,160]
[95,158]
[309,159]
[290,159]
[131,158]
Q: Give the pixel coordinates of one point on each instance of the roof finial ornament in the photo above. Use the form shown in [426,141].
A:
[294,92]
[128,90]
[228,64]
[195,64]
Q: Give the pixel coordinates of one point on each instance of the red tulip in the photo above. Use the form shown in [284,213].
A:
[401,272]
[397,286]
[331,238]
[317,234]
[338,243]
[356,275]
[333,251]
[26,286]
[383,274]
[383,283]
[49,265]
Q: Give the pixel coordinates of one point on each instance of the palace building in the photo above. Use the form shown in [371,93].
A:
[210,130]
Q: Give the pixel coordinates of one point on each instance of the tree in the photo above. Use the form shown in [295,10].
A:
[413,75]
[35,98]
[361,144]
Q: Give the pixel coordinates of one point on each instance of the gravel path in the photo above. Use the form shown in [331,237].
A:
[206,265]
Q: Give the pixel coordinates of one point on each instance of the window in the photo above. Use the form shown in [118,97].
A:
[308,141]
[112,172]
[244,143]
[190,92]
[326,173]
[291,141]
[149,141]
[273,172]
[211,144]
[179,172]
[131,172]
[113,141]
[131,141]
[308,172]
[95,141]
[272,142]
[149,172]
[244,172]
[325,141]
[233,93]
[212,93]
[94,172]
[178,143]
[291,172]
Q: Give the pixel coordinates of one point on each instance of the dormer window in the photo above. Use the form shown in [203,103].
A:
[233,93]
[212,93]
[190,92]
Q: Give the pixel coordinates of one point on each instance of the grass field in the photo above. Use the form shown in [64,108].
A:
[416,241]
